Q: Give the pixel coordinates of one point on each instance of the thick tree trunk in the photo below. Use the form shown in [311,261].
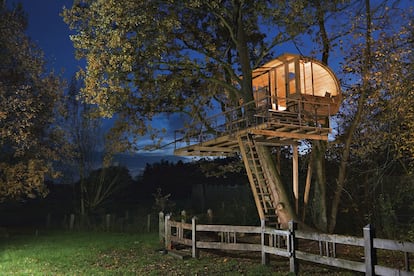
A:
[285,210]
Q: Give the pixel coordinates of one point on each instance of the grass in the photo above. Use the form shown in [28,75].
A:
[110,254]
[101,253]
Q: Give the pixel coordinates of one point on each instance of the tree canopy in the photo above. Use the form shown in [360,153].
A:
[152,57]
[28,96]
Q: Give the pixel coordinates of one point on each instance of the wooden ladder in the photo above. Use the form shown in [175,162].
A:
[259,183]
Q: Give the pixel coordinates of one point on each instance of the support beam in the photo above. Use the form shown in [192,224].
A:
[295,168]
[297,136]
[307,189]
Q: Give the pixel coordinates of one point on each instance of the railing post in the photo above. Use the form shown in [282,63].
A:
[369,250]
[265,256]
[293,262]
[167,232]
[161,226]
[195,251]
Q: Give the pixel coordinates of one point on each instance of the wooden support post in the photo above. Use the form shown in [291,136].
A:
[307,188]
[407,261]
[265,256]
[369,250]
[195,251]
[292,246]
[296,176]
[167,232]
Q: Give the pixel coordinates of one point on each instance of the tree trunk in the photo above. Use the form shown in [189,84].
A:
[285,211]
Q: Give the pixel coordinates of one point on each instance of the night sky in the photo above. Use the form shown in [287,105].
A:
[51,34]
[47,29]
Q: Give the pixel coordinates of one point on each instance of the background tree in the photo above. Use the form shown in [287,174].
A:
[379,140]
[85,137]
[29,141]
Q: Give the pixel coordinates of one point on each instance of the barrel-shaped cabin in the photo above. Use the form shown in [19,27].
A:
[298,84]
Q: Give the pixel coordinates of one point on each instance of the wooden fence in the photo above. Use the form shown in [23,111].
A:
[286,243]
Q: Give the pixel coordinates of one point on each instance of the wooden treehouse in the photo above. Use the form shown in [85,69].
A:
[293,99]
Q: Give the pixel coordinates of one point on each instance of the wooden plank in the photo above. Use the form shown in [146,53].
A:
[279,232]
[341,263]
[181,241]
[229,246]
[298,136]
[394,245]
[180,224]
[347,240]
[382,270]
[229,228]
[276,251]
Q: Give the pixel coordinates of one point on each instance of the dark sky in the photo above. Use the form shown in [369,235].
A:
[47,29]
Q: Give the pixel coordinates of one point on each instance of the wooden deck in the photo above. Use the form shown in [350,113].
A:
[272,133]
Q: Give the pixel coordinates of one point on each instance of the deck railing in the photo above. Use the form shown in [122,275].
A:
[300,112]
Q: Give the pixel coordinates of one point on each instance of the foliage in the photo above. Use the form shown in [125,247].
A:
[147,58]
[376,120]
[29,142]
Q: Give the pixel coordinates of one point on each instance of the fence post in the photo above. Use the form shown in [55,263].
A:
[48,220]
[71,221]
[369,250]
[265,256]
[167,232]
[195,251]
[161,226]
[108,222]
[293,262]
[209,216]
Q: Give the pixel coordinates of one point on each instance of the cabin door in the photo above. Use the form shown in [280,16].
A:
[285,84]
[279,94]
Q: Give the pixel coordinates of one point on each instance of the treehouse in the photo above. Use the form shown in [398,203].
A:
[291,83]
[293,99]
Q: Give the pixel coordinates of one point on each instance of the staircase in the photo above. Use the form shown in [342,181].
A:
[265,197]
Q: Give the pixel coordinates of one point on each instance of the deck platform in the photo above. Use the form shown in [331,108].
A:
[272,133]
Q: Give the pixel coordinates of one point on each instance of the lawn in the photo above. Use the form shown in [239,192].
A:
[107,253]
[98,253]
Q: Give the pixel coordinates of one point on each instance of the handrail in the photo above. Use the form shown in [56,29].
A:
[250,115]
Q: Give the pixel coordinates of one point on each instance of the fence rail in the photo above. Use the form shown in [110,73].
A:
[286,243]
